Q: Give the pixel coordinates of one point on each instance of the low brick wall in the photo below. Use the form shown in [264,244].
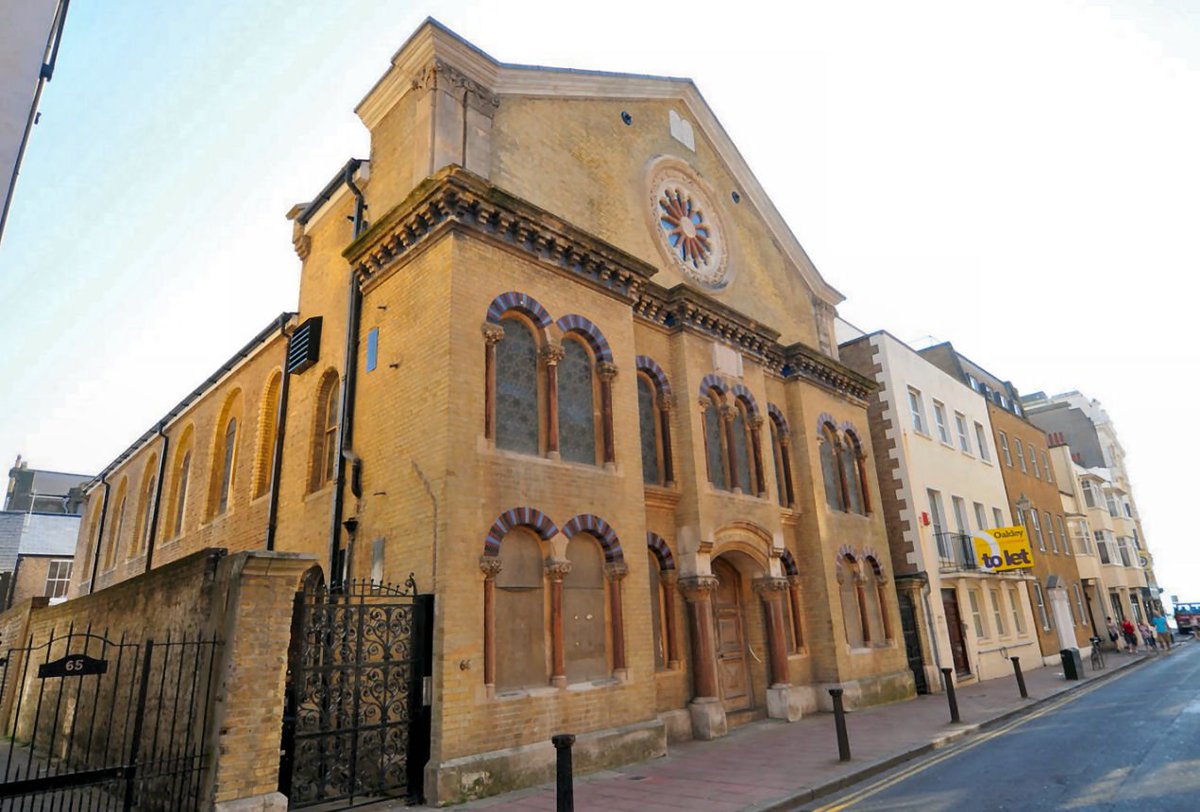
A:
[221,627]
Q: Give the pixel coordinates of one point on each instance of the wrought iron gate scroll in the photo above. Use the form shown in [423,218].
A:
[356,723]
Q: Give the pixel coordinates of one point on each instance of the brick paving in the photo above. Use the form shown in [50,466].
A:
[771,764]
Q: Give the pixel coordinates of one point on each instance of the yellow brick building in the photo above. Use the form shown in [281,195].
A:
[592,402]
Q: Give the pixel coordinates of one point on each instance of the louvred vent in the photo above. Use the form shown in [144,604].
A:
[304,348]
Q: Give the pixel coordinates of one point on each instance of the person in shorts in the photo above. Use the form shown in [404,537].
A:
[1163,630]
[1147,636]
[1131,640]
[1114,635]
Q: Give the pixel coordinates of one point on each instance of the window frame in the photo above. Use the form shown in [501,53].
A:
[984,454]
[1004,448]
[1019,453]
[916,407]
[55,579]
[941,423]
[960,428]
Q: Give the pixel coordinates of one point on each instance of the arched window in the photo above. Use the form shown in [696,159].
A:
[230,449]
[852,470]
[141,534]
[850,590]
[658,613]
[781,456]
[268,423]
[325,429]
[116,527]
[585,632]
[795,626]
[875,600]
[181,471]
[742,447]
[831,473]
[714,440]
[520,605]
[518,421]
[651,435]
[89,541]
[576,403]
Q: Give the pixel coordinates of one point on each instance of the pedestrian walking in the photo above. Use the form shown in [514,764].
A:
[1130,633]
[1163,630]
[1147,636]
[1114,636]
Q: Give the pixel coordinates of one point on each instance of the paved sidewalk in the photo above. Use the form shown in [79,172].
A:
[773,765]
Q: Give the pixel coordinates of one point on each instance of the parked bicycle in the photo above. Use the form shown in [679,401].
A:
[1097,654]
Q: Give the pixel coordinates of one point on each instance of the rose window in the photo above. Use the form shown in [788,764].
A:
[688,227]
[686,230]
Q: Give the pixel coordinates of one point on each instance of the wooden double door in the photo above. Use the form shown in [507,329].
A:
[957,632]
[733,668]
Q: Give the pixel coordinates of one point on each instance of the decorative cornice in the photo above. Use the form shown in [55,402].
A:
[440,75]
[455,198]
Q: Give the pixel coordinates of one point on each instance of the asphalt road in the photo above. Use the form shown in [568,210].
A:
[1131,743]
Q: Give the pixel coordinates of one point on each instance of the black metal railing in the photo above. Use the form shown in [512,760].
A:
[956,552]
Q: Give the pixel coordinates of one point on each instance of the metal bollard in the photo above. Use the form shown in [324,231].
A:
[839,720]
[950,695]
[564,779]
[1016,661]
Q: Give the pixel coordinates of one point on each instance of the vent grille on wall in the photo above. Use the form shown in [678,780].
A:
[304,349]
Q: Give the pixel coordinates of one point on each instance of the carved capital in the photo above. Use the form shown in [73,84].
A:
[616,570]
[785,438]
[705,404]
[440,75]
[303,246]
[551,354]
[557,569]
[666,403]
[668,577]
[607,370]
[728,411]
[490,566]
[794,580]
[697,587]
[757,422]
[491,332]
[770,587]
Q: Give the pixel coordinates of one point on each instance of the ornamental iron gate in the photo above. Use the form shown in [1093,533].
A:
[356,720]
[96,723]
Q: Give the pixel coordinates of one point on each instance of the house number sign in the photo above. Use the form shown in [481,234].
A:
[73,665]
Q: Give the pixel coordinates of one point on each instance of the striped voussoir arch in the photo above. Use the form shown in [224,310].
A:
[739,391]
[590,332]
[789,563]
[847,551]
[712,381]
[847,426]
[778,417]
[825,419]
[661,551]
[529,517]
[594,525]
[522,303]
[645,363]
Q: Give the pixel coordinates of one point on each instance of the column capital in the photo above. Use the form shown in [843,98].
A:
[551,354]
[728,411]
[490,566]
[669,577]
[616,570]
[794,580]
[557,568]
[666,403]
[492,333]
[770,587]
[607,370]
[697,587]
[757,421]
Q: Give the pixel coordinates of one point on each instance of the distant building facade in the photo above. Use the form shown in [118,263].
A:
[39,528]
[1022,453]
[940,481]
[33,490]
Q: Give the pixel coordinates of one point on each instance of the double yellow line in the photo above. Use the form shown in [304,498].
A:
[909,772]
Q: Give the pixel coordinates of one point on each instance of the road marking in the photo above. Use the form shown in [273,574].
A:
[909,772]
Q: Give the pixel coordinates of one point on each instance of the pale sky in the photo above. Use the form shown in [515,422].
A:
[1019,178]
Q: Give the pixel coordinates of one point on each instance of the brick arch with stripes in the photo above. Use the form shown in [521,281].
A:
[600,530]
[712,381]
[662,552]
[648,365]
[744,394]
[777,415]
[522,303]
[582,327]
[531,518]
[789,563]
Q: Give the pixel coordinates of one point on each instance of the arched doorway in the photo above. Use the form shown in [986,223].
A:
[733,667]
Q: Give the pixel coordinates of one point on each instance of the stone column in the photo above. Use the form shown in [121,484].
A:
[760,478]
[785,454]
[668,579]
[664,419]
[490,566]
[606,371]
[706,710]
[556,570]
[492,333]
[781,704]
[727,413]
[551,354]
[616,572]
[794,604]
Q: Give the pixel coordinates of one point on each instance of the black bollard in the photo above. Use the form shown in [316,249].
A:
[839,720]
[950,696]
[563,775]
[1016,661]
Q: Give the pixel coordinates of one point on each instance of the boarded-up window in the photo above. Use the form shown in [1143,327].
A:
[851,616]
[520,613]
[576,404]
[583,611]
[657,610]
[517,419]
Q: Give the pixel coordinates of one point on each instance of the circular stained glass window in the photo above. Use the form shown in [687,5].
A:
[689,229]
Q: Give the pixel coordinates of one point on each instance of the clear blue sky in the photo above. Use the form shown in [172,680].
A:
[1019,178]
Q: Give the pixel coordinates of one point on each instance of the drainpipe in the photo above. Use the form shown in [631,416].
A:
[346,423]
[277,449]
[933,632]
[99,535]
[158,489]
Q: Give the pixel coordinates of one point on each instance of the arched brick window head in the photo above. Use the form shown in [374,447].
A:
[325,429]
[577,403]
[717,414]
[517,414]
[116,526]
[654,422]
[831,470]
[781,455]
[268,422]
[854,474]
[229,448]
[141,534]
